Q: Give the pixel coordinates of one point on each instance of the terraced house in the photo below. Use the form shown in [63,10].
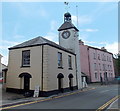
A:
[97,63]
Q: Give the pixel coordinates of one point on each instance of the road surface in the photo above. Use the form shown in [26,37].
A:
[91,99]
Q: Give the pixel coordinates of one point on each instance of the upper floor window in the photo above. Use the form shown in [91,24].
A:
[26,58]
[98,56]
[69,62]
[59,59]
[94,55]
[103,67]
[99,66]
[107,58]
[110,59]
[95,66]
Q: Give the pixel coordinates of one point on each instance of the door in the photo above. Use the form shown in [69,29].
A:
[26,83]
[60,84]
[70,83]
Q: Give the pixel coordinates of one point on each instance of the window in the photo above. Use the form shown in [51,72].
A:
[96,75]
[108,68]
[69,62]
[110,59]
[98,56]
[26,58]
[59,59]
[94,55]
[95,66]
[107,58]
[99,66]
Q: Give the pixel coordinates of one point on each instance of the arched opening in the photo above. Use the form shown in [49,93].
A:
[70,76]
[60,82]
[26,77]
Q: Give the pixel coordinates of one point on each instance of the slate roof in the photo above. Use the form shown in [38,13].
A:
[67,25]
[37,42]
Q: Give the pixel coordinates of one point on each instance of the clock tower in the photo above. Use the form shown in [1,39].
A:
[68,38]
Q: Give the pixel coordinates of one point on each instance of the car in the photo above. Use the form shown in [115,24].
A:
[117,78]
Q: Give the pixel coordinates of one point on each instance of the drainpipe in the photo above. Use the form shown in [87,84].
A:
[76,71]
[42,67]
[89,65]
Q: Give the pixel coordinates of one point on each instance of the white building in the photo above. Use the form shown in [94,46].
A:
[40,62]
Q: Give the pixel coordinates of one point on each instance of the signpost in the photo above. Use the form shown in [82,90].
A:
[36,91]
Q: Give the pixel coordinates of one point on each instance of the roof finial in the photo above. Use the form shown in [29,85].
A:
[66,4]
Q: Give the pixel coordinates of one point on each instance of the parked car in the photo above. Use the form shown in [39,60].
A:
[117,78]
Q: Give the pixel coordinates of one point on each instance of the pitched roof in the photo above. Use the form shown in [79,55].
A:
[37,42]
[67,25]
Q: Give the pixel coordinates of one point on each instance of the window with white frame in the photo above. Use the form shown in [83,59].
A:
[95,66]
[94,55]
[26,58]
[59,59]
[69,62]
[98,56]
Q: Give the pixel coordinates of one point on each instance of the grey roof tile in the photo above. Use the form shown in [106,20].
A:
[67,25]
[38,41]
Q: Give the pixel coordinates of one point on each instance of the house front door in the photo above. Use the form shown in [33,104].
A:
[26,83]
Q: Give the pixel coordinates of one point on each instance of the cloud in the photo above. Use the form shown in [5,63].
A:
[29,10]
[18,36]
[4,49]
[53,25]
[113,47]
[52,37]
[4,60]
[5,42]
[89,30]
[85,19]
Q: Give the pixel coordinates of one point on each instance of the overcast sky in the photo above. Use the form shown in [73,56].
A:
[21,21]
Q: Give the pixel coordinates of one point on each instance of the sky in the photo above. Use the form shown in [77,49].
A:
[22,21]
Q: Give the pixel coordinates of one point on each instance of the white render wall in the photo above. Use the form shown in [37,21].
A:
[53,69]
[15,69]
[72,44]
[50,68]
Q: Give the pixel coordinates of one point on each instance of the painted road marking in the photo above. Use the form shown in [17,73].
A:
[108,103]
[13,106]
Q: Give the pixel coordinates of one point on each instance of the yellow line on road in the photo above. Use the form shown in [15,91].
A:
[108,103]
[13,106]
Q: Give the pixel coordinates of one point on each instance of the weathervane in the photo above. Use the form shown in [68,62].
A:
[66,4]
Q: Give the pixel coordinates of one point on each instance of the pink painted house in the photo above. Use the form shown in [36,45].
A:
[96,63]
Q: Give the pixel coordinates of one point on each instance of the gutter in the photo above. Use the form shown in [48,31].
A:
[76,71]
[42,67]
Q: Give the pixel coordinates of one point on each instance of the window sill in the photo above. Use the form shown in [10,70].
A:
[24,66]
[70,68]
[60,67]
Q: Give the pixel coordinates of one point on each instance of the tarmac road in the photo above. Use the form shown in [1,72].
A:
[92,99]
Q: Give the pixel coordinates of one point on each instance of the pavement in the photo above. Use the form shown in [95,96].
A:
[8,99]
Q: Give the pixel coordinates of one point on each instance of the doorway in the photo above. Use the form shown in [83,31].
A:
[60,82]
[26,84]
[70,81]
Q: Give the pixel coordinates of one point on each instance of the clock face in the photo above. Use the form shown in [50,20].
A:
[66,34]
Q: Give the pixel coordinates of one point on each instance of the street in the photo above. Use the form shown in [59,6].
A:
[91,99]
